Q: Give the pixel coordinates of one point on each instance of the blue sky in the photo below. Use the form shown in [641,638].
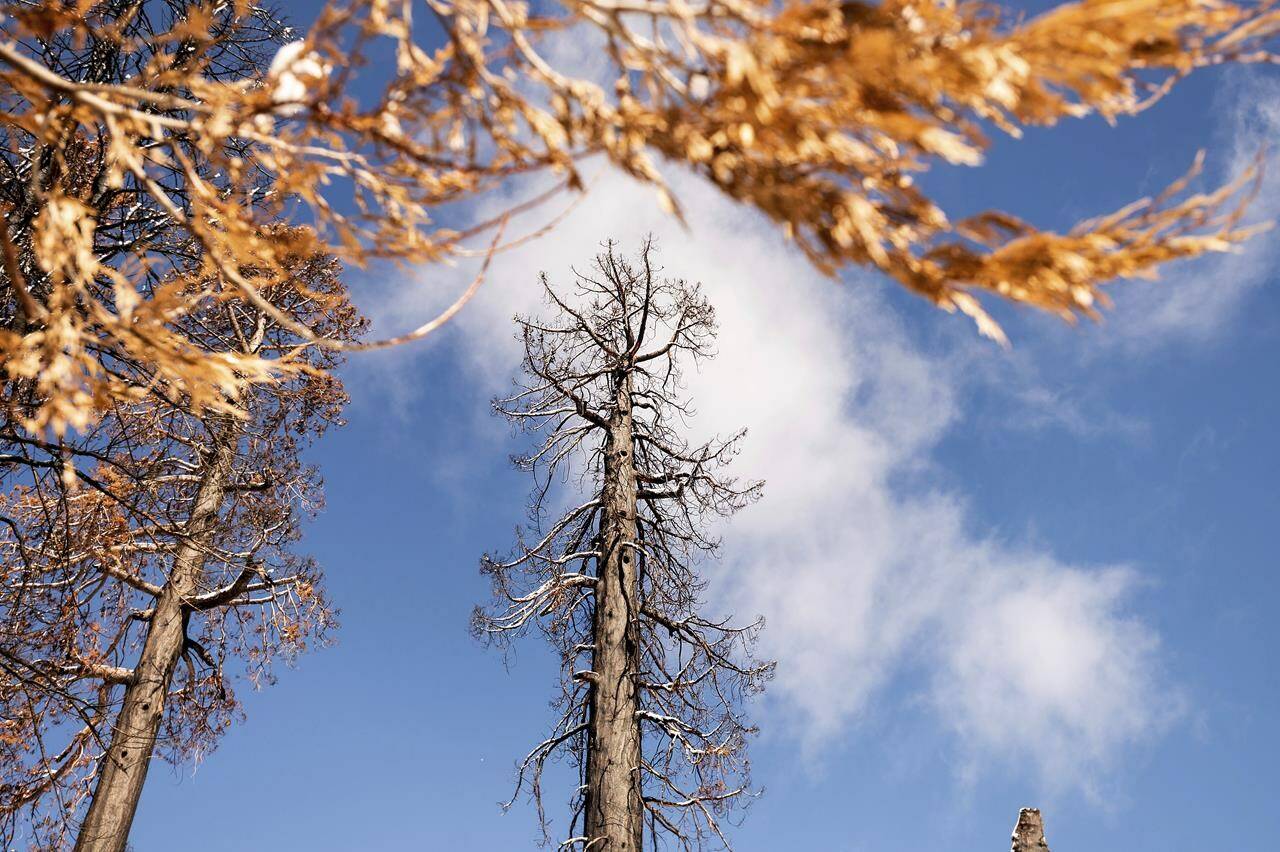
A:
[992,579]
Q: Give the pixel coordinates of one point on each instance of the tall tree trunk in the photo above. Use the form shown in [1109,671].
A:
[133,737]
[614,808]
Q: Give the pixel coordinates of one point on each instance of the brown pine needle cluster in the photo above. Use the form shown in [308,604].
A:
[816,112]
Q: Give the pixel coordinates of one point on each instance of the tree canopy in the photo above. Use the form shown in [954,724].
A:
[818,113]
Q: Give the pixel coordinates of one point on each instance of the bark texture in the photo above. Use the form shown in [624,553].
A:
[133,736]
[614,806]
[1028,834]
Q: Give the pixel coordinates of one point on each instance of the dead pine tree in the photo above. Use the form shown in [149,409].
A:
[140,584]
[651,702]
[231,578]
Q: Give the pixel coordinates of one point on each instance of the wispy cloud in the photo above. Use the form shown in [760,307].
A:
[1037,408]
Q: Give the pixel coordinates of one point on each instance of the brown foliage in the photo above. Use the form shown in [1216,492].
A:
[816,112]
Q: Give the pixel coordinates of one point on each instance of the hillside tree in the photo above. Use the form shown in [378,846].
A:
[651,689]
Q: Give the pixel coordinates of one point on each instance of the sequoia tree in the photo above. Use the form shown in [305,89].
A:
[651,697]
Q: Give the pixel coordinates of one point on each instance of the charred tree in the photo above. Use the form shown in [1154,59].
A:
[651,689]
[146,687]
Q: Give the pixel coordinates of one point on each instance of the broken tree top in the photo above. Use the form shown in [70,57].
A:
[1028,834]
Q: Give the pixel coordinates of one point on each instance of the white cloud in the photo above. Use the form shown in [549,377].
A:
[1031,663]
[861,577]
[1039,408]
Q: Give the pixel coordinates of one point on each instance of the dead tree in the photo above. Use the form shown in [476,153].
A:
[651,690]
[115,535]
[138,584]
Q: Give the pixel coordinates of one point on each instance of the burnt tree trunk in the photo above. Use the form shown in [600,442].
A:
[1028,834]
[133,736]
[614,813]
